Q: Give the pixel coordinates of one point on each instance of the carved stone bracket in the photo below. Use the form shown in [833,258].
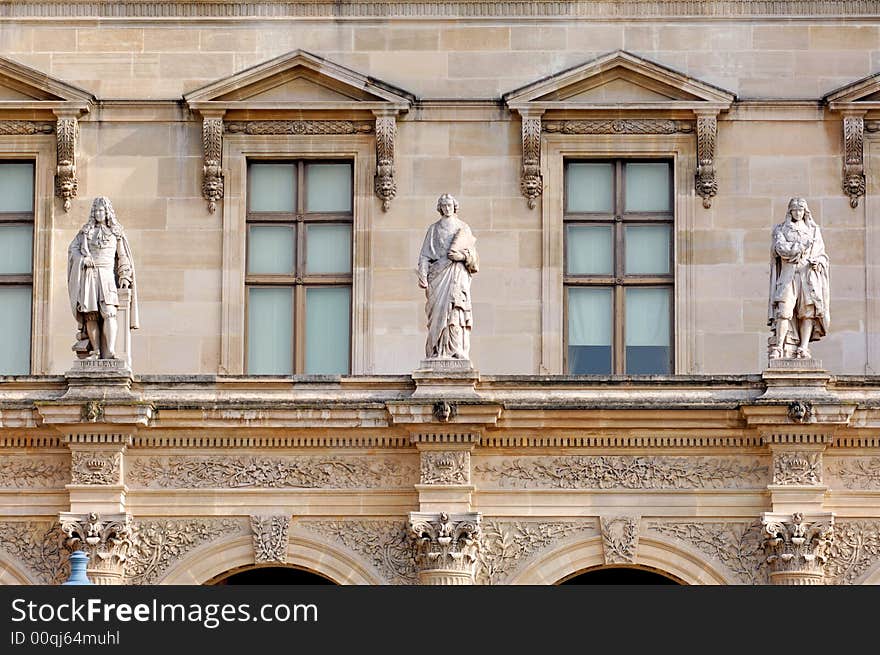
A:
[620,538]
[446,546]
[270,538]
[66,135]
[386,130]
[106,539]
[212,171]
[531,181]
[797,549]
[705,182]
[854,162]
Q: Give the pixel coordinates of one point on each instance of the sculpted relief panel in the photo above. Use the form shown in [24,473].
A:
[797,468]
[854,472]
[854,550]
[34,472]
[39,546]
[101,467]
[623,472]
[445,467]
[296,472]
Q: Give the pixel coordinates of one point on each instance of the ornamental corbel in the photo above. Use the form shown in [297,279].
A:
[705,182]
[212,171]
[531,182]
[386,130]
[66,136]
[854,159]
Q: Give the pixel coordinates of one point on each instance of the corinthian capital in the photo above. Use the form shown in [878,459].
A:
[446,546]
[797,549]
[105,539]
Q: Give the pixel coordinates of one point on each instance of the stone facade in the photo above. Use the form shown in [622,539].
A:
[185,468]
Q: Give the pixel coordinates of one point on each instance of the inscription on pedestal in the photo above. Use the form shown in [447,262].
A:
[453,365]
[810,364]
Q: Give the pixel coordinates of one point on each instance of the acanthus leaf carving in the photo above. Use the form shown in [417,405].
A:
[157,545]
[797,468]
[384,544]
[444,542]
[105,539]
[66,135]
[797,550]
[96,467]
[854,163]
[706,184]
[295,472]
[625,472]
[270,538]
[384,183]
[39,546]
[212,171]
[855,549]
[620,538]
[445,467]
[738,546]
[531,182]
[507,545]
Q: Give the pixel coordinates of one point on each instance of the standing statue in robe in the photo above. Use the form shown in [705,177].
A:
[447,262]
[800,304]
[99,263]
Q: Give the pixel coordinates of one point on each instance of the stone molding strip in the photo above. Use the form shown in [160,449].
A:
[221,441]
[609,9]
[31,441]
[622,441]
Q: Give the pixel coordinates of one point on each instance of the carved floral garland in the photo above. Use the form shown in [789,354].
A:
[856,472]
[33,472]
[625,472]
[39,546]
[855,549]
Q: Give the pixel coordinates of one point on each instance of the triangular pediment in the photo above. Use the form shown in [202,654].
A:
[863,93]
[619,80]
[296,80]
[25,85]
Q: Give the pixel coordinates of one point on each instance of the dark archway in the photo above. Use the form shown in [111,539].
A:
[621,575]
[270,575]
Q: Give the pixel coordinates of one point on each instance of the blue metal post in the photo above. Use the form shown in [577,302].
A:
[78,562]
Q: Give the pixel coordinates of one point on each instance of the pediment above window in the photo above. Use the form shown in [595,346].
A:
[619,93]
[298,93]
[33,103]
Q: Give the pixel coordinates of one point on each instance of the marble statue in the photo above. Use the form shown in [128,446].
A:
[447,262]
[799,307]
[99,263]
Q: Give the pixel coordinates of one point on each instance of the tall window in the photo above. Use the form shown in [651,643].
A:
[618,266]
[298,271]
[16,265]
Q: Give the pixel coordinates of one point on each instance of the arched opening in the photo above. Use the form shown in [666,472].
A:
[621,575]
[269,575]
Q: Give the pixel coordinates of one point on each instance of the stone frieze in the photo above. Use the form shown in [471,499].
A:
[33,472]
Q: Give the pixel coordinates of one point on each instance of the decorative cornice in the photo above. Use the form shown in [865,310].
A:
[157,545]
[260,472]
[620,538]
[738,546]
[17,472]
[621,441]
[357,441]
[619,126]
[25,127]
[305,127]
[384,544]
[270,538]
[507,545]
[624,472]
[386,9]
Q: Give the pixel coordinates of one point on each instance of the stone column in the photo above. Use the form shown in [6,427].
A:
[797,547]
[105,538]
[446,546]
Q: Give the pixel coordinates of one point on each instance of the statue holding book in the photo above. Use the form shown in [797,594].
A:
[447,262]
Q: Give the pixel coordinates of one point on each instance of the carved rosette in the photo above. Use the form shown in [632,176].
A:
[445,467]
[66,134]
[854,163]
[705,183]
[797,468]
[531,182]
[105,539]
[445,546]
[270,538]
[620,537]
[212,172]
[386,187]
[96,467]
[797,550]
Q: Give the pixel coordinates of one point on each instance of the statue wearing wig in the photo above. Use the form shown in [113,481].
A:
[99,263]
[799,310]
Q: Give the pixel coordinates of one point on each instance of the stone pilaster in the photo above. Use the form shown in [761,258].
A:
[105,538]
[446,546]
[797,547]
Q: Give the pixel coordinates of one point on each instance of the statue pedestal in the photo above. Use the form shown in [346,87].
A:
[98,379]
[455,378]
[796,379]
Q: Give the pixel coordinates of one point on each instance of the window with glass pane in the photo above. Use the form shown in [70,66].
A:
[16,265]
[299,270]
[618,267]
